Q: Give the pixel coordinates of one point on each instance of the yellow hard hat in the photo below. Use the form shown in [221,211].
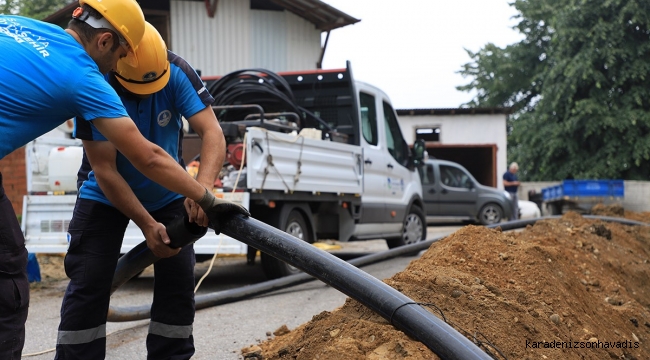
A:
[152,71]
[125,15]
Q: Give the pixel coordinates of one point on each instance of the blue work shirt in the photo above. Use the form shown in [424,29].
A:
[158,117]
[508,176]
[47,78]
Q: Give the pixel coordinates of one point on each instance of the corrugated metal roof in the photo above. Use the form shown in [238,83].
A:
[323,16]
[455,111]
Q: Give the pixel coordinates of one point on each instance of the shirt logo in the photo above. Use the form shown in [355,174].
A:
[164,117]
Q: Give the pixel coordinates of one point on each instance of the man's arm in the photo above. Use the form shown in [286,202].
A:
[213,153]
[149,158]
[101,155]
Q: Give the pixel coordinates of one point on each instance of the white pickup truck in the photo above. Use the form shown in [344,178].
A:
[351,177]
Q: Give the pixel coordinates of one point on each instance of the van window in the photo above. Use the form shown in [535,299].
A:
[454,177]
[426,174]
[368,118]
[394,139]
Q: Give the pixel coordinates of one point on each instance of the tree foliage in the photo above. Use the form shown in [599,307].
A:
[37,9]
[579,86]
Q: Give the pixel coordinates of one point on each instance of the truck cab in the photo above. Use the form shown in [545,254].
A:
[390,182]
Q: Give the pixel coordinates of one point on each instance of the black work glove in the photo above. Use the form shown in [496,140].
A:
[216,208]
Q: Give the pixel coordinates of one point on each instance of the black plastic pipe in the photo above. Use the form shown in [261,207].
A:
[181,232]
[223,297]
[397,308]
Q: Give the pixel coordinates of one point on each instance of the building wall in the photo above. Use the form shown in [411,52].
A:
[463,129]
[14,178]
[238,37]
[303,43]
[215,45]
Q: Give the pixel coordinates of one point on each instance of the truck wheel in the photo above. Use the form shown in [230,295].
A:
[414,229]
[490,214]
[296,226]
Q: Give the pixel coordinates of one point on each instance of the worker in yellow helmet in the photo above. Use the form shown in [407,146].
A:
[157,93]
[50,75]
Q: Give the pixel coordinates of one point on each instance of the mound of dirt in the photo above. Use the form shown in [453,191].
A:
[568,288]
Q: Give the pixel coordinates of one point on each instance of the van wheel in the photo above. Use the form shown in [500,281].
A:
[297,227]
[414,229]
[490,214]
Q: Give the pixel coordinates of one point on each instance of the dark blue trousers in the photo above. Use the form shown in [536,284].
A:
[96,233]
[14,287]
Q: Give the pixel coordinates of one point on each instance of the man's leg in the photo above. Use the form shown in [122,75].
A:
[96,233]
[172,312]
[515,206]
[14,287]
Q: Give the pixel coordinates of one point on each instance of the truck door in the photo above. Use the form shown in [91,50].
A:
[374,168]
[458,195]
[399,176]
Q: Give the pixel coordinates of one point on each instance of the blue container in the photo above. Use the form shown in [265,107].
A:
[593,188]
[585,188]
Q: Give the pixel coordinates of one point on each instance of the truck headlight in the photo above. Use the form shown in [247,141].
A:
[507,194]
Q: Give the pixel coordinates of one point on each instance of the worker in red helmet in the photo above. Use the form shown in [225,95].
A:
[157,92]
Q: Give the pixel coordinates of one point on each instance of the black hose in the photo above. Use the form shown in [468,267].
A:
[181,232]
[223,297]
[397,308]
[263,87]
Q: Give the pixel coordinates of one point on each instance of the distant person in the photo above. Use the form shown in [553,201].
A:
[511,185]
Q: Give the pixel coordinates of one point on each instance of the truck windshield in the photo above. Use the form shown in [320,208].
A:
[394,140]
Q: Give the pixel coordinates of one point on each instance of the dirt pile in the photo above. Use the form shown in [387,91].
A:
[568,288]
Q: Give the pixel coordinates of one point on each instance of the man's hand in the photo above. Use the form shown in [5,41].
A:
[216,208]
[195,213]
[158,240]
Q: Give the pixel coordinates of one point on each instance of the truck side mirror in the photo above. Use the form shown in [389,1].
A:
[418,151]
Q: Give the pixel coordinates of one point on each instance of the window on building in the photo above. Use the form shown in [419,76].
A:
[428,134]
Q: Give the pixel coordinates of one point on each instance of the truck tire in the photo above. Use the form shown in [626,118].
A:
[490,213]
[295,225]
[414,229]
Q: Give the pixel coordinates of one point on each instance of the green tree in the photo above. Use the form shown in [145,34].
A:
[37,9]
[579,85]
[9,6]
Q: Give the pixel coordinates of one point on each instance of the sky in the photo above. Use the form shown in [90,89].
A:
[413,49]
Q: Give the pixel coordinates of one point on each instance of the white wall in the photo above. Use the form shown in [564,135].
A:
[238,37]
[476,129]
[215,45]
[637,195]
